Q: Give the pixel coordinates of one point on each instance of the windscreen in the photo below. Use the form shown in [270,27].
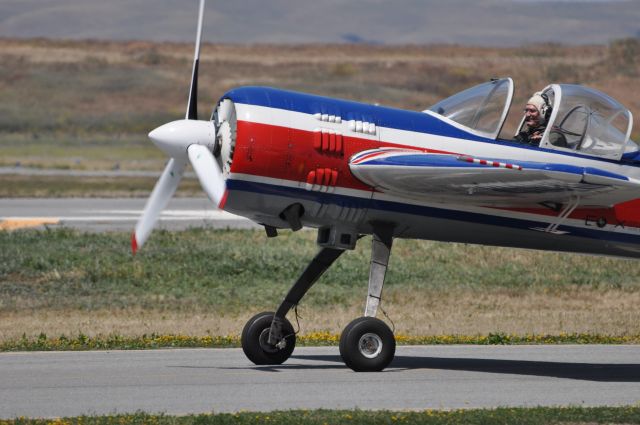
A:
[592,122]
[481,108]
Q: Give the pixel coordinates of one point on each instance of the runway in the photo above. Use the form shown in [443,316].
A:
[111,214]
[182,381]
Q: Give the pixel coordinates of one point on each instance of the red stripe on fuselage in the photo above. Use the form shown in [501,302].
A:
[290,154]
[621,215]
[628,212]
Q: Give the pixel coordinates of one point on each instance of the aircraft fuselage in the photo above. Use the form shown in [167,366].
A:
[293,148]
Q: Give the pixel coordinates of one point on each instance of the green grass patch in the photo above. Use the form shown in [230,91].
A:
[317,339]
[225,271]
[80,151]
[34,186]
[523,416]
[89,96]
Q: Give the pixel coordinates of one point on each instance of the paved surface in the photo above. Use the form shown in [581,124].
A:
[222,380]
[100,214]
[26,171]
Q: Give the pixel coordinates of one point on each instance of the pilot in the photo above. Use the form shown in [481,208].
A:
[536,115]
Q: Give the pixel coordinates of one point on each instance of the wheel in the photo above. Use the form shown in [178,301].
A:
[367,345]
[255,343]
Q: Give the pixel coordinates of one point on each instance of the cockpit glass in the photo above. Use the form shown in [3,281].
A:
[590,122]
[631,148]
[481,108]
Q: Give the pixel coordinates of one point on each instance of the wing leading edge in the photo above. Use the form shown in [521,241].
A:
[462,179]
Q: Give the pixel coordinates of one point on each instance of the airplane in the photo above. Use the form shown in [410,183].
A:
[288,160]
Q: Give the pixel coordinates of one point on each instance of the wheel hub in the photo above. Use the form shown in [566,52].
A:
[370,345]
[264,342]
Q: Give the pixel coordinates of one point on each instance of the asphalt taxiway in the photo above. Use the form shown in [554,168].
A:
[182,381]
[112,214]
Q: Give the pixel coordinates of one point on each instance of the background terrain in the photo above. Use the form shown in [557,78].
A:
[88,105]
[478,22]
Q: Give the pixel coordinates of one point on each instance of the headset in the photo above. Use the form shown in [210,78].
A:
[546,109]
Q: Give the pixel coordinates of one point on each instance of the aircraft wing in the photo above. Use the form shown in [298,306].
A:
[463,179]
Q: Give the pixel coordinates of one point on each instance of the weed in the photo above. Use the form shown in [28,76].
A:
[201,279]
[501,415]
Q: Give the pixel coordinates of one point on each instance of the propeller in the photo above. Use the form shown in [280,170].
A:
[184,141]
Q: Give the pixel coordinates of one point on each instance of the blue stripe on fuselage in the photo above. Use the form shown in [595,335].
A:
[420,210]
[446,160]
[348,110]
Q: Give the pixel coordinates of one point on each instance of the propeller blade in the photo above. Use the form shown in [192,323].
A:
[162,193]
[208,172]
[174,139]
[192,104]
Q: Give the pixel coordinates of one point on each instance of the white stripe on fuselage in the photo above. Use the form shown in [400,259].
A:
[544,220]
[307,122]
[413,139]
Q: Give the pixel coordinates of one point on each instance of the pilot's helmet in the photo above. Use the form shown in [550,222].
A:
[541,102]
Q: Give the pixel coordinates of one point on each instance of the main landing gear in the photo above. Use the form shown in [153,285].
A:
[366,344]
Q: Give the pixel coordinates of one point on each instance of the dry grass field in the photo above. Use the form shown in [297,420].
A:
[209,282]
[89,105]
[414,313]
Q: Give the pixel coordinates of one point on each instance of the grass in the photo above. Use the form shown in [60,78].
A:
[89,105]
[229,268]
[90,151]
[208,282]
[35,186]
[502,415]
[83,342]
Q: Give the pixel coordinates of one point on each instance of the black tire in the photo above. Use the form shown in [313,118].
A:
[367,345]
[254,341]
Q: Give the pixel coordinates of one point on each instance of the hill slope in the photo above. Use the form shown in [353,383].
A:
[483,22]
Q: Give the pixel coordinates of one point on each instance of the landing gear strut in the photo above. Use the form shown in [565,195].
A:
[366,344]
[268,338]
